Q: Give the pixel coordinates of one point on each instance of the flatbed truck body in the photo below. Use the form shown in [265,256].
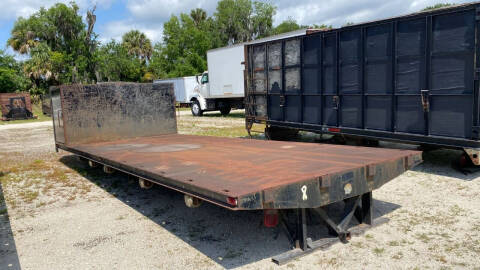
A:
[132,128]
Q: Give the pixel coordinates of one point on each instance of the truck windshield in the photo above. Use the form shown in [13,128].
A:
[205,78]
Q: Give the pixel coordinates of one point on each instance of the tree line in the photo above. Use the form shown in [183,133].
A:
[62,48]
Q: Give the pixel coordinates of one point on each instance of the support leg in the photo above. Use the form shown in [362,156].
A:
[367,208]
[301,229]
[364,214]
[361,207]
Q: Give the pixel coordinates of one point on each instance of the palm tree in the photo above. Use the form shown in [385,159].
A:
[22,39]
[198,16]
[137,44]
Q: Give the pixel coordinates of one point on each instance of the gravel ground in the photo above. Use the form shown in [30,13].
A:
[55,213]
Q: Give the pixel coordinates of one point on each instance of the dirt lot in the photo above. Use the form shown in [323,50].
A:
[55,213]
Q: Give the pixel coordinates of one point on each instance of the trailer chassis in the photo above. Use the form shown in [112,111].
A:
[358,207]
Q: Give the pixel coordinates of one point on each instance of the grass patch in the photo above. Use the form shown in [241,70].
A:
[378,251]
[357,244]
[37,110]
[29,183]
[397,256]
[393,243]
[423,237]
[27,195]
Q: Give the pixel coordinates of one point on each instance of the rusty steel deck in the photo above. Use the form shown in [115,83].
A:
[256,174]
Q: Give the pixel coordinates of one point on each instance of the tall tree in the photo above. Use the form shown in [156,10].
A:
[60,28]
[244,20]
[115,63]
[184,47]
[11,75]
[288,25]
[198,16]
[137,44]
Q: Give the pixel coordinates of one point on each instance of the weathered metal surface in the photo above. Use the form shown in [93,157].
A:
[15,106]
[260,174]
[110,111]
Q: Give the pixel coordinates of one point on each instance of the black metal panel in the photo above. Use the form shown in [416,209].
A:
[454,32]
[293,108]
[329,65]
[311,53]
[350,57]
[410,75]
[312,109]
[451,116]
[329,111]
[275,112]
[351,113]
[378,59]
[409,115]
[452,75]
[311,82]
[379,113]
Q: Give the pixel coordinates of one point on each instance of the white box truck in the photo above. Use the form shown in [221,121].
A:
[221,88]
[183,87]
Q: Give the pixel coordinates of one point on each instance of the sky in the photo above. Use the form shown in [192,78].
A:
[115,17]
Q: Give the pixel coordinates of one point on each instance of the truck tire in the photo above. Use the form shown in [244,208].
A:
[225,110]
[196,109]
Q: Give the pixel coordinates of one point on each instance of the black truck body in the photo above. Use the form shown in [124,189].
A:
[411,79]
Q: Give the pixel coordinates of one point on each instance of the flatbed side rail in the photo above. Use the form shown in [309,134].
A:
[205,195]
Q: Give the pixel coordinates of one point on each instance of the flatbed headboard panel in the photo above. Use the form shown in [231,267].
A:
[112,111]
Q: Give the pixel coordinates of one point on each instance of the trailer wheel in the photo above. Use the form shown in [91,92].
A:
[196,109]
[225,110]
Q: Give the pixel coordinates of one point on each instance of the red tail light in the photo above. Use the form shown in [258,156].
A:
[232,201]
[334,129]
[270,218]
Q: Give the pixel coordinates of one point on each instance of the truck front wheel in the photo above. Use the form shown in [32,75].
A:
[196,109]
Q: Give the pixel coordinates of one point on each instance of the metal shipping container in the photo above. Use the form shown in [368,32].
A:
[412,78]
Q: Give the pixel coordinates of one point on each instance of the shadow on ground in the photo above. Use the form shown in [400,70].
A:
[233,114]
[8,250]
[230,238]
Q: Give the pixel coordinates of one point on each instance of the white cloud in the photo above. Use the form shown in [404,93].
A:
[161,10]
[116,29]
[149,16]
[339,12]
[11,9]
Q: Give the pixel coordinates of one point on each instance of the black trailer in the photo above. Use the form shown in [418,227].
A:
[411,79]
[132,128]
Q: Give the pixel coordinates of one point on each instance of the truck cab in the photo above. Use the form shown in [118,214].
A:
[204,85]
[202,100]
